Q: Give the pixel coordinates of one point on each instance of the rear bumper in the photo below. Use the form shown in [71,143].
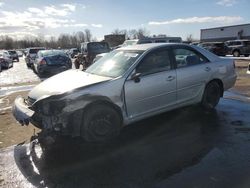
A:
[50,70]
[21,111]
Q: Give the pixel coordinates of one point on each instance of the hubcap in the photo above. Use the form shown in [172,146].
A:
[100,126]
[236,54]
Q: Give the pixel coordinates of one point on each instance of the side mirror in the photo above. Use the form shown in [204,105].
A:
[136,77]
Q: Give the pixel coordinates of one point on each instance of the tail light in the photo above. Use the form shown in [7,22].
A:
[43,62]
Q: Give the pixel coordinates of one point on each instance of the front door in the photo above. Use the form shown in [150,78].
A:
[154,88]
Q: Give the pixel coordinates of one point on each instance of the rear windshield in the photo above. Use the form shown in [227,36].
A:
[46,53]
[34,51]
[55,57]
[98,46]
[12,52]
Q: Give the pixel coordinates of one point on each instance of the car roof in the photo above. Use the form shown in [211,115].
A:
[148,46]
[212,42]
[239,40]
[36,48]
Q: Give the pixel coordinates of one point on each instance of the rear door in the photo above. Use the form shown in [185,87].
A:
[193,71]
[156,87]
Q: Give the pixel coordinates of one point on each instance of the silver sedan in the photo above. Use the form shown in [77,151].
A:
[126,85]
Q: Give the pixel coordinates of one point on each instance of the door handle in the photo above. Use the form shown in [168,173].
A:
[170,78]
[207,69]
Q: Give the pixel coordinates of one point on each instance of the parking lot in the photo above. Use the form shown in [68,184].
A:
[211,149]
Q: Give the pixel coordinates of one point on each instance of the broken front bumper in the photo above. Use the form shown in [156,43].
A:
[21,111]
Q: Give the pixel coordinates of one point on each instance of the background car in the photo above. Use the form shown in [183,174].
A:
[239,47]
[51,62]
[20,53]
[89,50]
[14,55]
[31,55]
[218,48]
[5,59]
[73,52]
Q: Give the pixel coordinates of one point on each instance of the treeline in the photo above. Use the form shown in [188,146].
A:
[64,41]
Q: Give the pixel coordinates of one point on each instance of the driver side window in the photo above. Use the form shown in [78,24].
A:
[154,62]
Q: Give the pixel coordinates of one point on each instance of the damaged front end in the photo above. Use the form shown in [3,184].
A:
[48,114]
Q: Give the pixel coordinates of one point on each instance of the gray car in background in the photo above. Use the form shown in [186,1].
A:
[14,55]
[126,85]
[31,55]
[238,47]
[5,60]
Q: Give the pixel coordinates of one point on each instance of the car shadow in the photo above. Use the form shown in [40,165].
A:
[145,153]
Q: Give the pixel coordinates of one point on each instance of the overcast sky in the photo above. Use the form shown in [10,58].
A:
[171,17]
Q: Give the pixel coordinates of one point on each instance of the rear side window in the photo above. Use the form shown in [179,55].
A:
[145,42]
[187,57]
[234,43]
[247,43]
[154,62]
[160,41]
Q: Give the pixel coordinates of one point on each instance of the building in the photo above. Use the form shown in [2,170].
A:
[222,34]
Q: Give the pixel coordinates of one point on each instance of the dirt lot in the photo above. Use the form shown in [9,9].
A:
[12,133]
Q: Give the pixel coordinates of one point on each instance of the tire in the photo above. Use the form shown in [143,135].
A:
[100,123]
[211,96]
[236,53]
[246,55]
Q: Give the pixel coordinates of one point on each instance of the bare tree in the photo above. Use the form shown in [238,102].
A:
[142,33]
[190,38]
[88,35]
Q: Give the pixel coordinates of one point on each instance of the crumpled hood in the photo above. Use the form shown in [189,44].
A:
[64,82]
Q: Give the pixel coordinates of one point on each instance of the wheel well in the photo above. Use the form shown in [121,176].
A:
[236,50]
[107,103]
[220,84]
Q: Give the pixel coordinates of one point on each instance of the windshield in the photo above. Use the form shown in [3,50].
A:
[129,42]
[114,64]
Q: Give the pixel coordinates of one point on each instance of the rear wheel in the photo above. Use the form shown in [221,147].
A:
[236,53]
[211,95]
[100,123]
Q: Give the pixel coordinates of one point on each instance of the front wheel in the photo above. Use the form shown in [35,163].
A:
[100,123]
[211,96]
